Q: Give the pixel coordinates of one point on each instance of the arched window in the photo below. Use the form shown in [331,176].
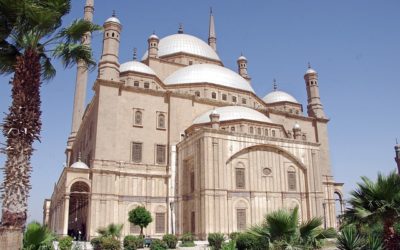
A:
[291,175]
[234,99]
[266,132]
[161,121]
[251,130]
[240,178]
[214,95]
[244,101]
[224,97]
[273,133]
[259,131]
[146,85]
[138,118]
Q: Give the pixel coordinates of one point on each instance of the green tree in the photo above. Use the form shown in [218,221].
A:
[37,237]
[112,230]
[140,217]
[281,229]
[30,36]
[375,202]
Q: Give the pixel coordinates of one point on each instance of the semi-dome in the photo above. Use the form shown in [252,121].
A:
[208,73]
[228,113]
[113,19]
[184,43]
[137,67]
[279,96]
[80,165]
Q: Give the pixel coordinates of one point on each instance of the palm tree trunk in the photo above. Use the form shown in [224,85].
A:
[389,235]
[21,128]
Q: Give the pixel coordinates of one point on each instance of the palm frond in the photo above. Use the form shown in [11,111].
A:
[48,71]
[71,54]
[74,32]
[8,55]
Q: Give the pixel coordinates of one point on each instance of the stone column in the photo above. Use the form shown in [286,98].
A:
[66,215]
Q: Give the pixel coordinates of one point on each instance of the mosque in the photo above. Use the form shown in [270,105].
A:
[189,139]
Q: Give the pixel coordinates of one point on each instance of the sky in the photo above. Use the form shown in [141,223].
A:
[354,46]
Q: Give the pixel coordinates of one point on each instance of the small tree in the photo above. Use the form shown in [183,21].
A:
[140,217]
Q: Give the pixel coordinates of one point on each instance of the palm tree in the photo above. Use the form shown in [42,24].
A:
[112,230]
[38,237]
[378,201]
[282,230]
[30,36]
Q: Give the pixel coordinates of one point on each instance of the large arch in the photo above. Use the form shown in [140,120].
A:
[78,213]
[269,147]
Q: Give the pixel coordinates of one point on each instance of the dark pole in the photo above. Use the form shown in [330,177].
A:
[324,206]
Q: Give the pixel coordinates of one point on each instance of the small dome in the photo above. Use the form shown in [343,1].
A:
[296,126]
[208,73]
[279,96]
[242,58]
[310,71]
[113,19]
[80,165]
[153,36]
[137,67]
[228,113]
[184,43]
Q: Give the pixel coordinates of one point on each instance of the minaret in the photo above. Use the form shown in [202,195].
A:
[80,84]
[397,158]
[81,77]
[152,43]
[212,37]
[314,107]
[109,64]
[242,67]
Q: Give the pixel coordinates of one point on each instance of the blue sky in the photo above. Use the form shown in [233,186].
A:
[354,46]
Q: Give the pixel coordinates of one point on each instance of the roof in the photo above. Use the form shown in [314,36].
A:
[228,113]
[310,71]
[208,73]
[80,165]
[137,67]
[113,19]
[279,96]
[184,43]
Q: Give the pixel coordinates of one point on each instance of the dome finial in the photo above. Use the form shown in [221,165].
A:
[180,30]
[309,65]
[114,13]
[79,156]
[275,85]
[134,54]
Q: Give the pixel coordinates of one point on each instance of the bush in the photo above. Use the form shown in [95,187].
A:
[231,245]
[65,243]
[96,243]
[157,244]
[133,242]
[187,244]
[109,243]
[234,235]
[171,240]
[187,237]
[215,240]
[246,241]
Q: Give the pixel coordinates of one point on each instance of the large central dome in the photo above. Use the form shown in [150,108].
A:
[184,43]
[208,73]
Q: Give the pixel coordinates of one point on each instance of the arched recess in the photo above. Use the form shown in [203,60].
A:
[241,213]
[75,180]
[339,205]
[269,147]
[78,213]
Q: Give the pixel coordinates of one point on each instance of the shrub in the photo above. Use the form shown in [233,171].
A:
[109,243]
[187,244]
[234,235]
[133,242]
[187,237]
[246,241]
[231,245]
[157,244]
[96,243]
[171,240]
[65,243]
[215,240]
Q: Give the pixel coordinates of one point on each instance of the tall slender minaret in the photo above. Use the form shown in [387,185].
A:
[212,37]
[242,67]
[397,158]
[314,106]
[81,82]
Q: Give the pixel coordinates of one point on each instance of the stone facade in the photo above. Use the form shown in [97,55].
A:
[138,144]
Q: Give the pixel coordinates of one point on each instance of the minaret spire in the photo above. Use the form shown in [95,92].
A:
[212,37]
[81,83]
[275,85]
[397,158]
